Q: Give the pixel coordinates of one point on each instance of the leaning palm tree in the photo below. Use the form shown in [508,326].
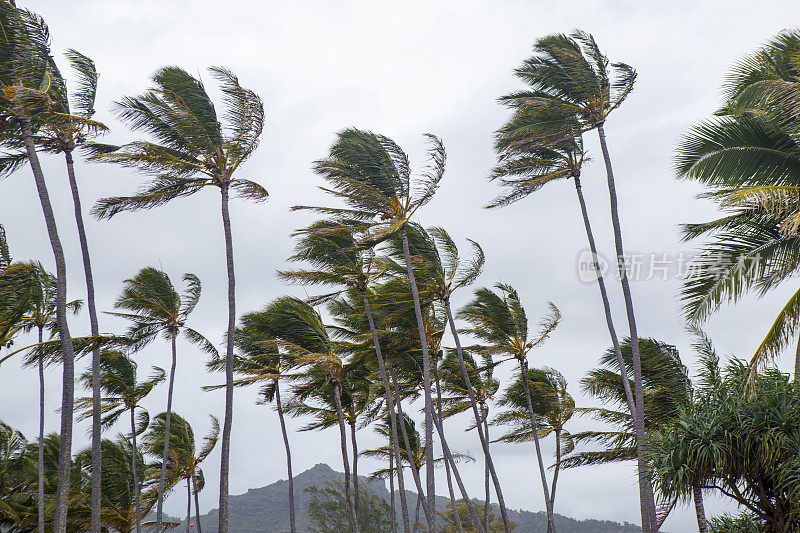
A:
[153,306]
[26,71]
[573,83]
[554,406]
[749,158]
[372,175]
[498,319]
[192,150]
[122,394]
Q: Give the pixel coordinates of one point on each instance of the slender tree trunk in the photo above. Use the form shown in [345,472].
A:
[699,508]
[135,470]
[67,351]
[355,464]
[407,443]
[486,504]
[337,393]
[448,460]
[196,506]
[646,490]
[188,503]
[390,407]
[416,512]
[391,492]
[90,304]
[40,464]
[556,470]
[797,361]
[167,419]
[279,407]
[474,402]
[523,368]
[448,475]
[226,427]
[426,384]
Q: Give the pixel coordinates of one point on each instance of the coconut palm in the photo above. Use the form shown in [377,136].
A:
[122,394]
[261,362]
[668,391]
[553,405]
[499,320]
[371,174]
[153,306]
[749,158]
[576,87]
[26,72]
[445,270]
[192,149]
[335,259]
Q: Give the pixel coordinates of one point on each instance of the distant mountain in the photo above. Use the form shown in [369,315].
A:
[266,510]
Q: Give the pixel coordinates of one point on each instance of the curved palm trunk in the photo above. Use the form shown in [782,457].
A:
[188,503]
[390,408]
[523,367]
[486,504]
[135,470]
[426,383]
[196,506]
[225,447]
[165,454]
[355,465]
[90,304]
[337,394]
[702,525]
[484,438]
[279,407]
[391,493]
[646,490]
[448,460]
[40,459]
[416,513]
[556,469]
[448,474]
[407,443]
[68,353]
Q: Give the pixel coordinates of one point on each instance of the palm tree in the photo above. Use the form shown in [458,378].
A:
[154,308]
[17,282]
[576,87]
[499,320]
[261,362]
[185,458]
[122,394]
[371,174]
[445,270]
[668,391]
[25,74]
[192,151]
[335,259]
[749,158]
[41,316]
[553,405]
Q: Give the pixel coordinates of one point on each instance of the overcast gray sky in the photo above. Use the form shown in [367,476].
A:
[401,69]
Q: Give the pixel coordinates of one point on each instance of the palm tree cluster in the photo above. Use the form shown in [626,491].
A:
[380,346]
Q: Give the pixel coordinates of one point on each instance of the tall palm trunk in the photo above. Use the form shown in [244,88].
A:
[523,368]
[188,502]
[797,361]
[279,407]
[196,506]
[135,470]
[67,351]
[90,304]
[337,395]
[40,459]
[448,474]
[355,465]
[409,451]
[448,460]
[167,419]
[426,383]
[646,490]
[699,508]
[486,503]
[556,470]
[391,493]
[484,438]
[390,407]
[226,427]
